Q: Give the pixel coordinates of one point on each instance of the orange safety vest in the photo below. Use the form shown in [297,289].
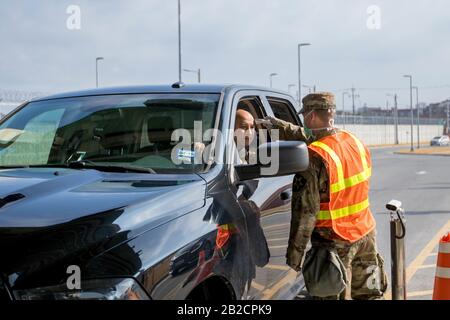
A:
[349,170]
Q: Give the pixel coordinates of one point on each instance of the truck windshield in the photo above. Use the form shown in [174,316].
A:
[110,130]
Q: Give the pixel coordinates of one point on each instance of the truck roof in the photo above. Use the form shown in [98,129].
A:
[186,88]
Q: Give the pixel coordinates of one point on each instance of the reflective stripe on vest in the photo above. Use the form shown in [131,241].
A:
[348,211]
[351,181]
[343,212]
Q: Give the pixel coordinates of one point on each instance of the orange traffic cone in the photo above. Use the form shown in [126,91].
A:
[442,279]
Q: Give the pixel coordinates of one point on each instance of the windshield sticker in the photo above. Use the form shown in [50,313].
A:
[186,155]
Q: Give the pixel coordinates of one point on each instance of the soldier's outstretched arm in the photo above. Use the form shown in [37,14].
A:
[288,131]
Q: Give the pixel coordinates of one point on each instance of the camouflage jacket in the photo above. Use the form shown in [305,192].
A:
[309,189]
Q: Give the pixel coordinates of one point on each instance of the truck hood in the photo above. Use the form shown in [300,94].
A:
[48,214]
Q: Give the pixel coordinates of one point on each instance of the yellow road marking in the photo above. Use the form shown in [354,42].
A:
[272,291]
[426,266]
[419,293]
[257,286]
[433,254]
[269,293]
[421,257]
[417,263]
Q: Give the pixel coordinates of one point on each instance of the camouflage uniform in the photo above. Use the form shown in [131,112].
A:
[365,267]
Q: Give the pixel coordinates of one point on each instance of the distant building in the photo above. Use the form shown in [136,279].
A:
[405,113]
[374,112]
[437,110]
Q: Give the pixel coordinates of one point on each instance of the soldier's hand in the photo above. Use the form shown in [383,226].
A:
[294,260]
[267,122]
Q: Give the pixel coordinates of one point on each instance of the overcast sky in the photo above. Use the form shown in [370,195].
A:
[232,41]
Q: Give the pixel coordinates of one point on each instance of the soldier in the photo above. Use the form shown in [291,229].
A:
[330,204]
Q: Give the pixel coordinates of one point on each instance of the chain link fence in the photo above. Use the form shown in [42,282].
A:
[382,130]
[386,120]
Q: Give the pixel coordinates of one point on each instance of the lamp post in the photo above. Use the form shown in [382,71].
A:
[96,70]
[448,117]
[418,116]
[345,93]
[198,72]
[299,72]
[179,41]
[411,105]
[270,77]
[395,117]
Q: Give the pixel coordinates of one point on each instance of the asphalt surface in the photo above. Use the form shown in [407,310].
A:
[422,184]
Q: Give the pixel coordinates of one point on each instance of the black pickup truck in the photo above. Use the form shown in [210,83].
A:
[93,205]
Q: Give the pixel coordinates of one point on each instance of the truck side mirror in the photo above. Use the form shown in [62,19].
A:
[291,156]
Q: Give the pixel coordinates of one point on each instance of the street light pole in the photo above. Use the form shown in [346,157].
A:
[270,77]
[96,70]
[353,100]
[411,105]
[299,72]
[179,41]
[395,117]
[418,117]
[345,93]
[448,117]
[198,72]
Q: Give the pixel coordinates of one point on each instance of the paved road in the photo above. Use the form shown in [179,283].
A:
[422,183]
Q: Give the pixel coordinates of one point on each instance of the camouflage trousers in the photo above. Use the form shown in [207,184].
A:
[367,279]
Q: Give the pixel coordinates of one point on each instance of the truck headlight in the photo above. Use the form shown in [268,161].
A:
[99,289]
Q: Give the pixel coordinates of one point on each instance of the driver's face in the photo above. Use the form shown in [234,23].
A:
[245,128]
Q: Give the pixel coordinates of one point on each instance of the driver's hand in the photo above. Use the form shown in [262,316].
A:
[199,148]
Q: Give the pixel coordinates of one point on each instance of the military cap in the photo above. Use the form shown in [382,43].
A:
[318,101]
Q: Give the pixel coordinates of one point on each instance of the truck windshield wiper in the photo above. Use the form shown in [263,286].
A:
[107,167]
[87,164]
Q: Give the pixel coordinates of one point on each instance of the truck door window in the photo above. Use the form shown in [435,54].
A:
[254,106]
[283,110]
